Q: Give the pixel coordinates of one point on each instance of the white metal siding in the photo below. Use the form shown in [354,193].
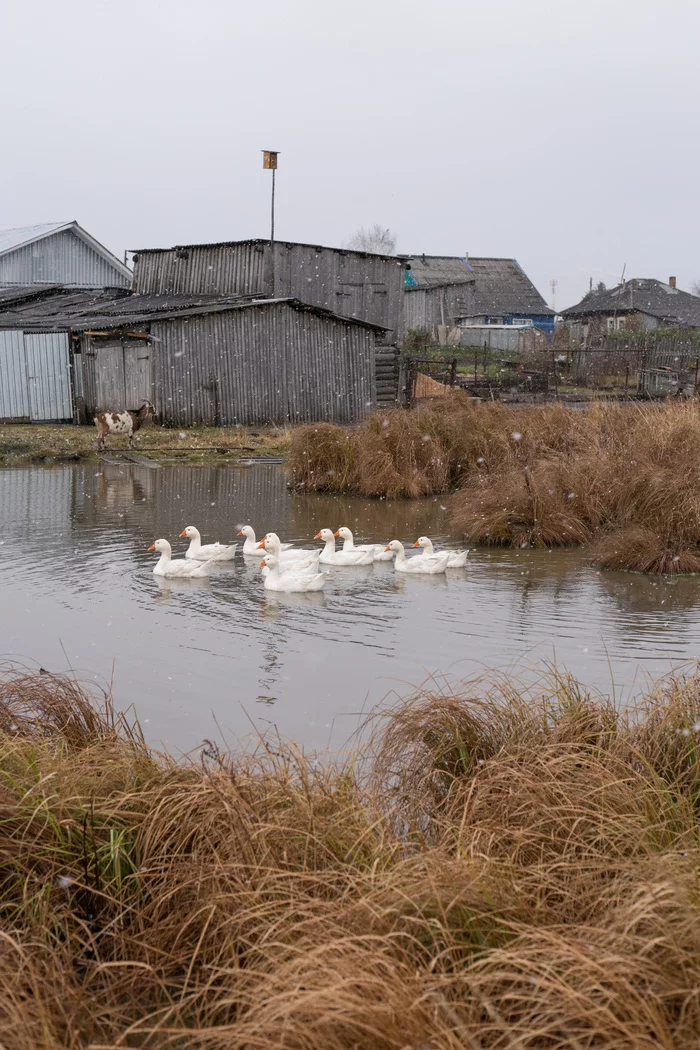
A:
[14,396]
[60,259]
[48,376]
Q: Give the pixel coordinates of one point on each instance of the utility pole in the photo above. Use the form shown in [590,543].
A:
[270,164]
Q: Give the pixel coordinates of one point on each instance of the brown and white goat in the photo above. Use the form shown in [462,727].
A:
[122,423]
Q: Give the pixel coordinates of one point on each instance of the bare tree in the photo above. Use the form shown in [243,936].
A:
[695,287]
[376,239]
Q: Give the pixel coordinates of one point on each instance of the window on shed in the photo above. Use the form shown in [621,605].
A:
[494,320]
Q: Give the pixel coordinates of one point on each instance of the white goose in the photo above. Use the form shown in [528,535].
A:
[349,545]
[251,544]
[426,566]
[198,551]
[330,556]
[166,566]
[455,559]
[296,559]
[290,581]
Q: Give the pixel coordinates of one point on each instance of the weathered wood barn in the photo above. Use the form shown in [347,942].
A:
[439,291]
[356,285]
[210,359]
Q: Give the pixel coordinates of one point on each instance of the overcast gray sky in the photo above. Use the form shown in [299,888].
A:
[561,132]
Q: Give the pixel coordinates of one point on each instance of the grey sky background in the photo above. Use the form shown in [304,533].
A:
[562,133]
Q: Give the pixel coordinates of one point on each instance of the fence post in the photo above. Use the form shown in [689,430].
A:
[695,384]
[453,371]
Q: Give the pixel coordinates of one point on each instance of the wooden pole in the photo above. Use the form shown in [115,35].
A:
[272,232]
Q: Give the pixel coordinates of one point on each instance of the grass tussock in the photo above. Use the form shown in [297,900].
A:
[624,477]
[499,867]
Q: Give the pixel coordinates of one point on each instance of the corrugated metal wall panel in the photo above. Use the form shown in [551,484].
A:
[60,259]
[261,364]
[14,396]
[367,287]
[48,376]
[222,269]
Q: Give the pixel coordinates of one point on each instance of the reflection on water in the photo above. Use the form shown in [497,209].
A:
[78,590]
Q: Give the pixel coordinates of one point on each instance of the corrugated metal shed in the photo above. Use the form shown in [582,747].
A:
[35,376]
[17,236]
[14,391]
[265,361]
[358,285]
[58,253]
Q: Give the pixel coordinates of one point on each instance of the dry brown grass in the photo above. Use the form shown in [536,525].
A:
[624,476]
[515,867]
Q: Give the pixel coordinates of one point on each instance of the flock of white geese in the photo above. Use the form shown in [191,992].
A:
[288,568]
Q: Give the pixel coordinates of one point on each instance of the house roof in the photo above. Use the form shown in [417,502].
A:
[14,237]
[645,295]
[436,271]
[262,242]
[502,287]
[80,311]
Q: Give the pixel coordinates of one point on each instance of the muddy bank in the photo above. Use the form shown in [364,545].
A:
[49,443]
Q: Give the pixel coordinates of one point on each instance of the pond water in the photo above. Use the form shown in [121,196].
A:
[196,657]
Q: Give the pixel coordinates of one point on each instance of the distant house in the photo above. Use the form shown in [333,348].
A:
[635,305]
[464,290]
[58,253]
[504,294]
[439,290]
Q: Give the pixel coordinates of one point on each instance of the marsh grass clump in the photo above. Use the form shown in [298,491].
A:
[624,477]
[639,549]
[501,864]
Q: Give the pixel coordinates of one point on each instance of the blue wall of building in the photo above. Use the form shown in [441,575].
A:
[542,321]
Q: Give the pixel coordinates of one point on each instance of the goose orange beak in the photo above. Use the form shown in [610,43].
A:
[261,545]
[387,548]
[261,564]
[183,533]
[416,544]
[318,536]
[240,532]
[337,534]
[152,547]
